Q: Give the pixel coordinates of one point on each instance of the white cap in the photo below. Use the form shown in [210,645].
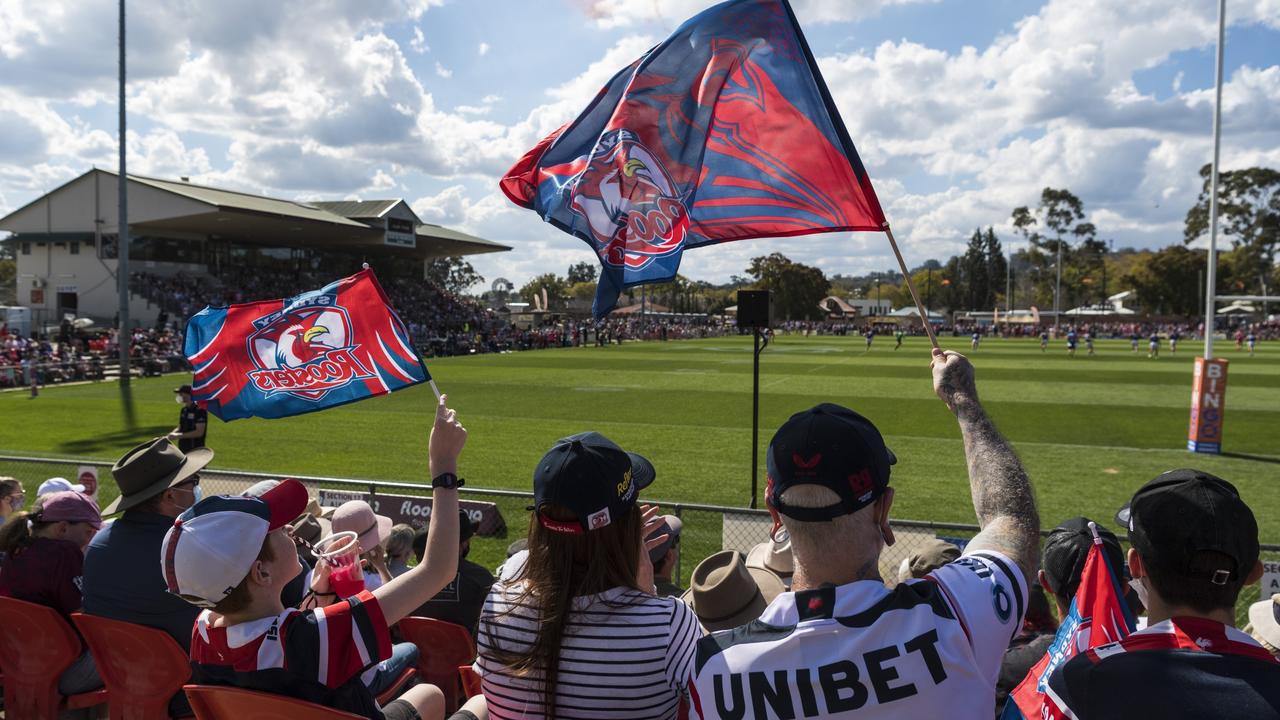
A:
[57,484]
[211,547]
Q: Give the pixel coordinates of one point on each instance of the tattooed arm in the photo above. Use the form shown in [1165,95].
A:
[1002,494]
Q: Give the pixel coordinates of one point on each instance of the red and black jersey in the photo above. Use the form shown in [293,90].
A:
[314,655]
[1181,668]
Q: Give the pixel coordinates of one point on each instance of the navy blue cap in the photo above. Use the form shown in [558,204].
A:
[831,446]
[591,476]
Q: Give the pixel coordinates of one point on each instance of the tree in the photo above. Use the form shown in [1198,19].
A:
[1169,280]
[581,272]
[977,286]
[557,290]
[1248,214]
[997,267]
[797,289]
[453,274]
[1061,213]
[8,274]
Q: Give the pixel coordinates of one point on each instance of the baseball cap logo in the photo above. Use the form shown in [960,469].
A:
[600,519]
[625,484]
[806,467]
[861,484]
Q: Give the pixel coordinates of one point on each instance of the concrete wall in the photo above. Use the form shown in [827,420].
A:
[52,268]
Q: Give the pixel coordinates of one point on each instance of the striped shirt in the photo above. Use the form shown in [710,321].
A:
[316,655]
[625,654]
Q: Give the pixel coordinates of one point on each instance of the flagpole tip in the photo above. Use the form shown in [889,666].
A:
[364,266]
[1093,528]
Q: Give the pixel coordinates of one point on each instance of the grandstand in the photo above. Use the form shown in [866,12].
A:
[194,237]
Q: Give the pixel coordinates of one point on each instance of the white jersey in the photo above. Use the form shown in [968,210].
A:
[929,648]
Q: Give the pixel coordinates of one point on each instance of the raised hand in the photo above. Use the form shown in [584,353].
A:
[447,439]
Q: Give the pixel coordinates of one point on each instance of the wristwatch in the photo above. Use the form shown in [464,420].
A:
[448,481]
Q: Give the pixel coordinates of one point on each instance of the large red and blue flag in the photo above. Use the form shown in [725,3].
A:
[725,131]
[322,348]
[1098,615]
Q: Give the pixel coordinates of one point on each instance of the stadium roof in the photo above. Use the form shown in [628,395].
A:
[180,208]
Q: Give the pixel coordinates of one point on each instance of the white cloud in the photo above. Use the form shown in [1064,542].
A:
[443,71]
[622,13]
[483,49]
[419,42]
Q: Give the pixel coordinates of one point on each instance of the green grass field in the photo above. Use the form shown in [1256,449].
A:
[1090,430]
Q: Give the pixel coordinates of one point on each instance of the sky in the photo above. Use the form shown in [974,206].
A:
[960,109]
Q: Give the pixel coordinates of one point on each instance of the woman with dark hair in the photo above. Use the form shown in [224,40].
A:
[11,498]
[573,628]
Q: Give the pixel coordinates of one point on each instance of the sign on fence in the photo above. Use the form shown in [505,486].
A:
[416,511]
[1270,580]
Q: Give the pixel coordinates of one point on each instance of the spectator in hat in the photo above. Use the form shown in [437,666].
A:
[934,554]
[12,498]
[232,556]
[157,483]
[461,601]
[666,555]
[372,531]
[45,550]
[841,644]
[400,548]
[193,421]
[774,556]
[1264,624]
[1194,546]
[57,484]
[572,626]
[726,593]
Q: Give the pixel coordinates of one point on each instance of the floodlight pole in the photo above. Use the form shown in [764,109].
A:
[1210,302]
[122,231]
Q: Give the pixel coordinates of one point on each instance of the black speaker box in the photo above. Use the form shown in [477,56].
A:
[753,308]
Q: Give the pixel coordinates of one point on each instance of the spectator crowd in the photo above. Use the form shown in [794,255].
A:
[268,591]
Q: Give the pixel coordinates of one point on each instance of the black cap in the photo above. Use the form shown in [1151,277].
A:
[1194,525]
[183,389]
[591,476]
[1067,548]
[832,446]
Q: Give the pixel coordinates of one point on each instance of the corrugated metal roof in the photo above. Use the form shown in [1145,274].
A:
[436,231]
[245,201]
[357,208]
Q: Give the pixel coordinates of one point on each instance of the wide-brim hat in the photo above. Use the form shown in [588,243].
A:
[724,593]
[358,517]
[151,468]
[774,556]
[1264,620]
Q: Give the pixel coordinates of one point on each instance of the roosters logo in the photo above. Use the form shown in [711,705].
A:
[630,203]
[304,352]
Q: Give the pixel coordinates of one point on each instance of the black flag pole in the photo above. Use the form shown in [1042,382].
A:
[911,287]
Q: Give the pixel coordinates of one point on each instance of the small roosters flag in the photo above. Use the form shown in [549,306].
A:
[322,348]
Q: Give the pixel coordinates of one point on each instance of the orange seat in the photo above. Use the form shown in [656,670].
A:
[143,668]
[212,702]
[442,647]
[397,688]
[36,646]
[470,681]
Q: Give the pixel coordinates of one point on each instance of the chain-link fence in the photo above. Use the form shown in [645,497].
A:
[503,515]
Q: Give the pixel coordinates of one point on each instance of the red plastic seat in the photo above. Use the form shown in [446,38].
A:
[36,646]
[470,681]
[395,689]
[228,703]
[142,667]
[442,647]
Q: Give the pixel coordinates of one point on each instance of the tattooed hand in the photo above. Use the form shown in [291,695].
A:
[953,379]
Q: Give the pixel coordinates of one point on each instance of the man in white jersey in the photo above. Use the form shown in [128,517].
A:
[841,644]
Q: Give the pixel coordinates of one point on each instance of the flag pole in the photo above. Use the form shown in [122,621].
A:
[911,287]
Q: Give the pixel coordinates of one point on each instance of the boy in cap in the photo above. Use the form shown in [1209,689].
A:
[841,644]
[1194,546]
[233,556]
